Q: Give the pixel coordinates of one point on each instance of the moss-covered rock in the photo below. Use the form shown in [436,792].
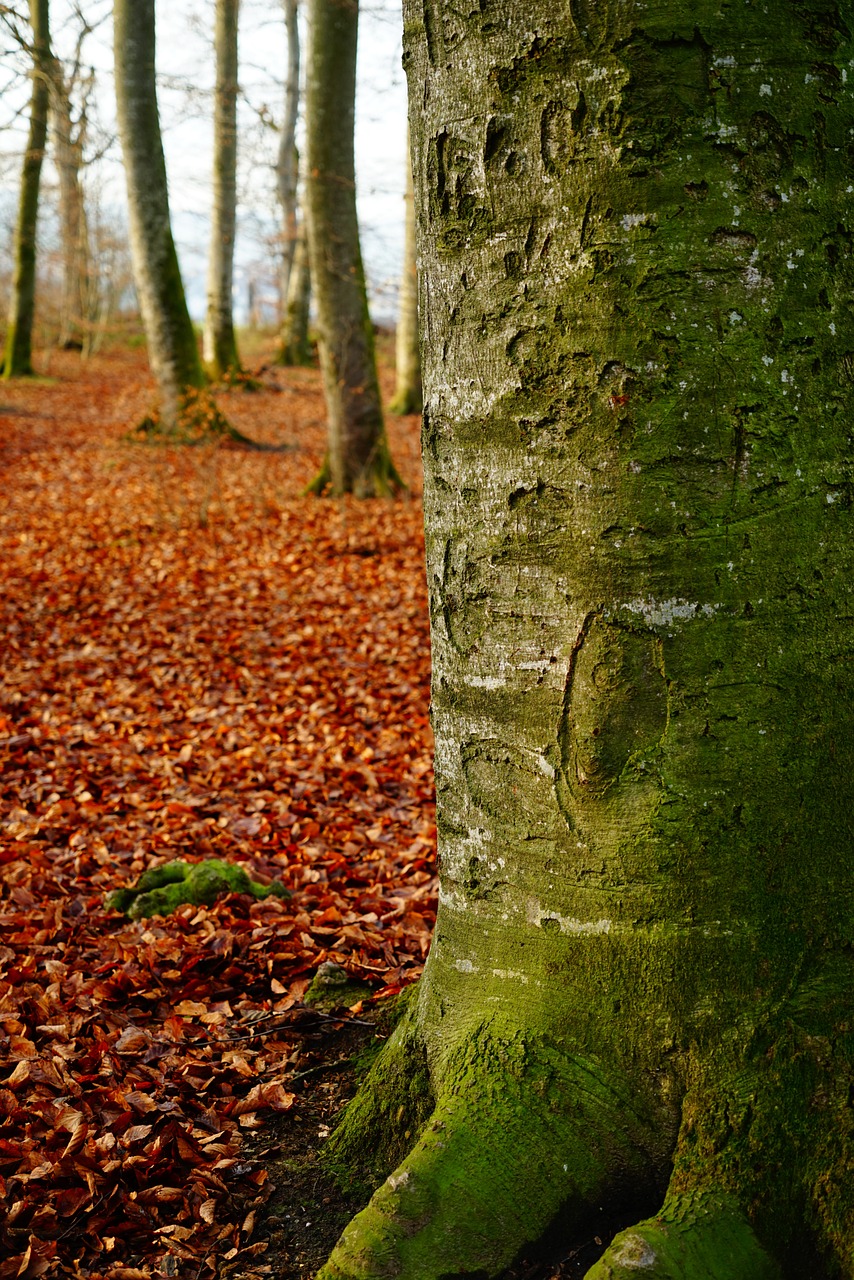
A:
[161,890]
[333,986]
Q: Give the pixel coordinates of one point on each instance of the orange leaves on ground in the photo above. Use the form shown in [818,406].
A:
[198,662]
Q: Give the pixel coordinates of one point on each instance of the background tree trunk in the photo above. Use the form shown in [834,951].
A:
[407,392]
[172,348]
[219,344]
[287,167]
[17,360]
[77,312]
[358,460]
[638,277]
[295,346]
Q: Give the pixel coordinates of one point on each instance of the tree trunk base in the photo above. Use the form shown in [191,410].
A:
[507,1138]
[197,422]
[379,478]
[520,1134]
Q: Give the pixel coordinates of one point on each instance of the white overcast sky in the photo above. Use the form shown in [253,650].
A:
[185,72]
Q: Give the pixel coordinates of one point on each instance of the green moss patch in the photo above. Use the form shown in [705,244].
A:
[161,890]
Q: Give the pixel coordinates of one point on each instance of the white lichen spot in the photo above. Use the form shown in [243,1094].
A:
[545,767]
[634,1252]
[630,220]
[464,966]
[830,498]
[486,682]
[663,613]
[767,360]
[832,328]
[511,975]
[396,1180]
[785,376]
[735,317]
[765,91]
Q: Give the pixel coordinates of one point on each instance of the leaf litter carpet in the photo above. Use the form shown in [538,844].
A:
[197,662]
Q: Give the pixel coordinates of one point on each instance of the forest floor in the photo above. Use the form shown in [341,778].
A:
[197,661]
[200,662]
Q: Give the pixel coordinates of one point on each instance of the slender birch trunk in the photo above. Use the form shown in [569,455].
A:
[638,269]
[17,360]
[172,349]
[407,392]
[219,344]
[358,460]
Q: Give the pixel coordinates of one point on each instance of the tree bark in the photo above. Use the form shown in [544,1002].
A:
[295,346]
[17,360]
[77,314]
[287,166]
[358,459]
[407,392]
[172,349]
[637,278]
[219,344]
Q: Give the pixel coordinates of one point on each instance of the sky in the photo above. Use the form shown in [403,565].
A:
[185,67]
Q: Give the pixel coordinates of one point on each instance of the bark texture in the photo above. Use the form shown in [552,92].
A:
[287,166]
[172,349]
[296,346]
[358,459]
[407,391]
[637,276]
[219,345]
[17,359]
[79,301]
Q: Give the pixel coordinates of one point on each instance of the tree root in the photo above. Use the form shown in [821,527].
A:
[695,1237]
[507,1137]
[520,1133]
[197,421]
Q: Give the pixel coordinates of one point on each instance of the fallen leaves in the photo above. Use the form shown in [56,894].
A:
[198,663]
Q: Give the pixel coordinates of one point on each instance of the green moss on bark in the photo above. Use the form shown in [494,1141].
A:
[17,357]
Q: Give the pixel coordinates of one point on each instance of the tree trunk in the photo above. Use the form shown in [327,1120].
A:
[172,348]
[407,392]
[295,346]
[358,459]
[637,289]
[77,313]
[17,360]
[219,344]
[287,166]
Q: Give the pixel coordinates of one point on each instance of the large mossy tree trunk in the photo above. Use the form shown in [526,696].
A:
[407,390]
[17,357]
[172,349]
[636,246]
[358,460]
[219,346]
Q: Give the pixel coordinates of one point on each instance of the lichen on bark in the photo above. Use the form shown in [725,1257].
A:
[637,276]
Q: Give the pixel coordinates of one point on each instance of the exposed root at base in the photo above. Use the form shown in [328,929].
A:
[520,1133]
[695,1237]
